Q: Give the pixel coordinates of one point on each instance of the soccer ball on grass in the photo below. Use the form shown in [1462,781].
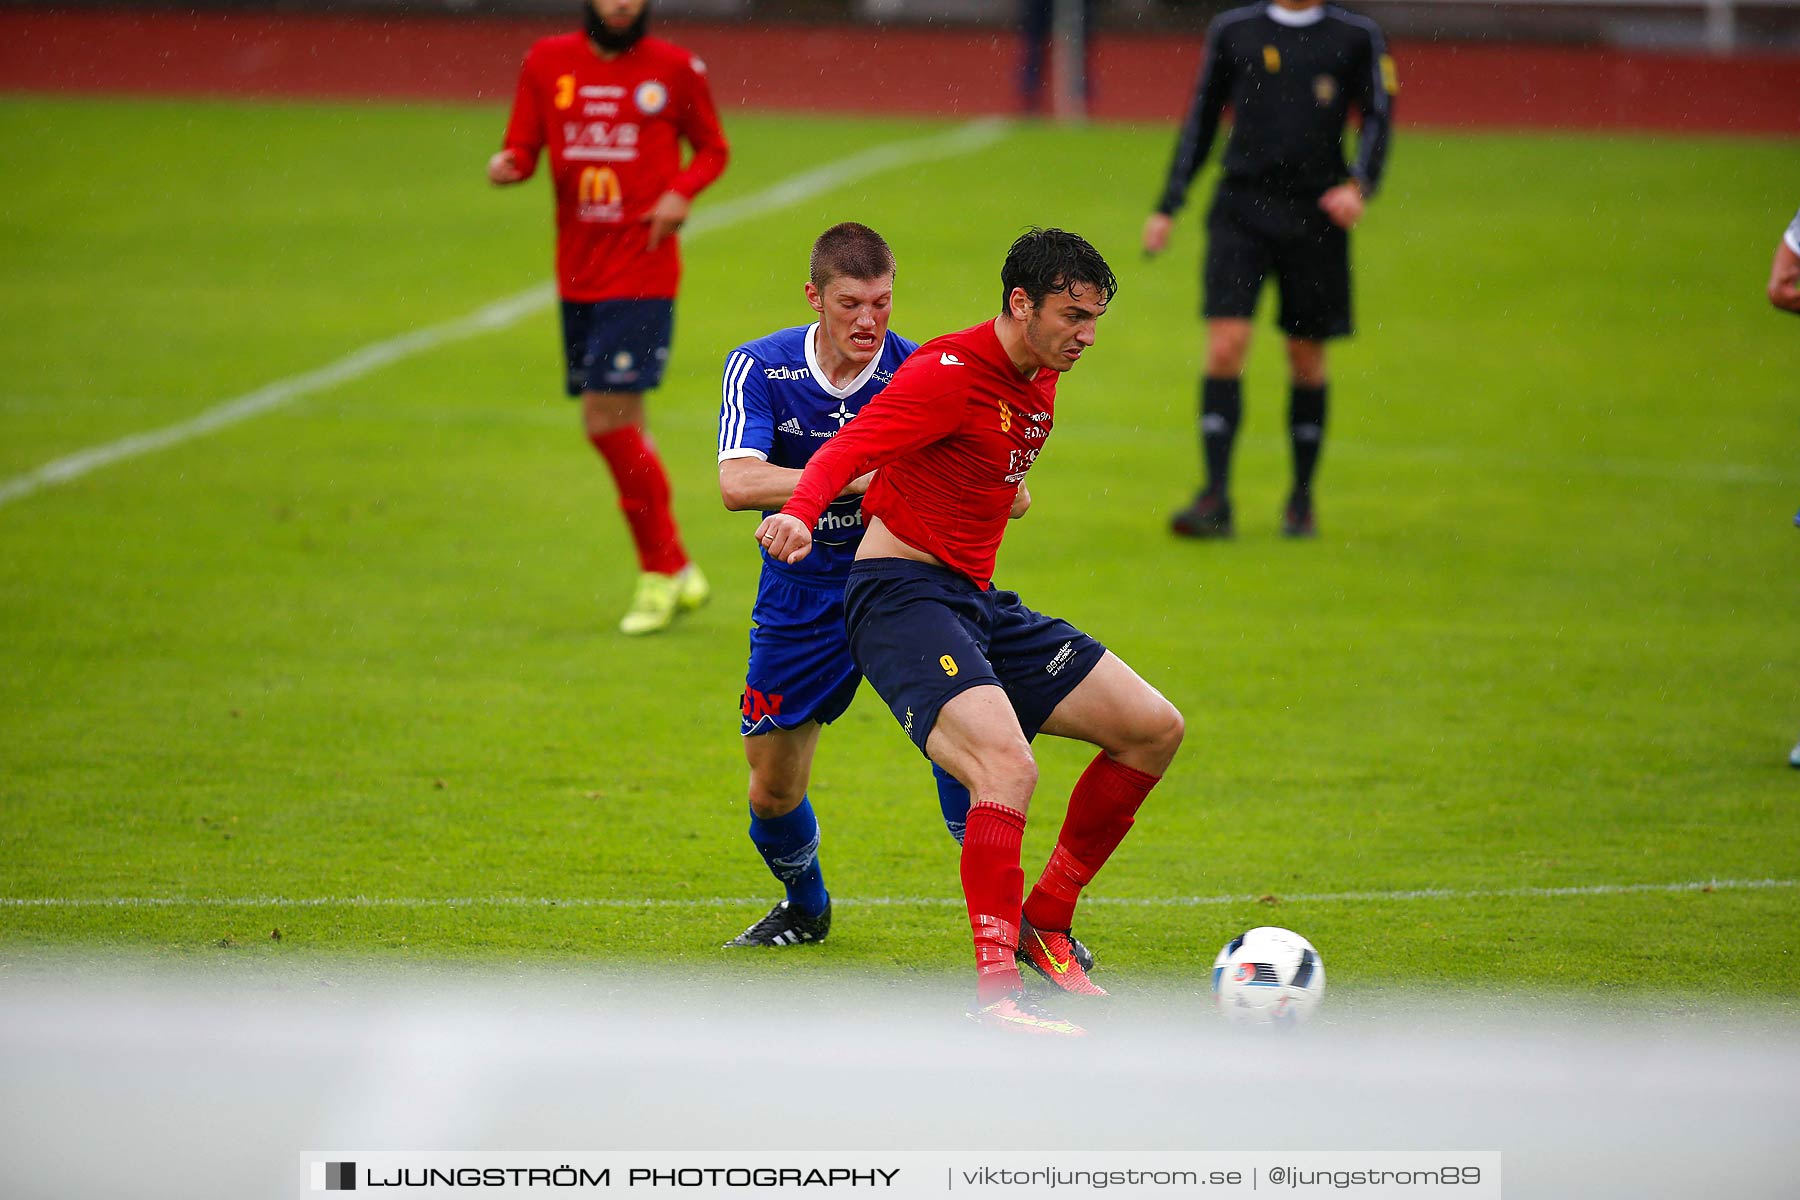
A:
[1268,976]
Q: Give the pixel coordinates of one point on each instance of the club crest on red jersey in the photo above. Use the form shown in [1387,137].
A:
[651,97]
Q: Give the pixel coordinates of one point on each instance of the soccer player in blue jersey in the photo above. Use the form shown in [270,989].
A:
[786,395]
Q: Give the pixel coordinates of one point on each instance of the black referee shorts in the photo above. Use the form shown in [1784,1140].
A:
[1251,234]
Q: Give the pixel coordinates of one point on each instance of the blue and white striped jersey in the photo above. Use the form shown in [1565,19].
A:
[780,407]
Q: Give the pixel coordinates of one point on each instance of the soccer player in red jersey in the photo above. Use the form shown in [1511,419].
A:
[970,673]
[612,107]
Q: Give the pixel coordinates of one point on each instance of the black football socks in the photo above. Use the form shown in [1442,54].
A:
[1306,430]
[1221,408]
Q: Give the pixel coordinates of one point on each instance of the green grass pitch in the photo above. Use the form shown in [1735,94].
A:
[363,647]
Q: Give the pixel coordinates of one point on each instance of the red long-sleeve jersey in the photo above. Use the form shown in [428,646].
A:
[614,129]
[953,436]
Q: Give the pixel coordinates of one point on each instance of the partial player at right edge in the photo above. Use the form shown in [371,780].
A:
[1784,293]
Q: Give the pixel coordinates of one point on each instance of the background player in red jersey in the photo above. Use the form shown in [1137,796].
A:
[612,107]
[970,673]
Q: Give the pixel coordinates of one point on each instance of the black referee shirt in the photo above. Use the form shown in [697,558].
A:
[1290,89]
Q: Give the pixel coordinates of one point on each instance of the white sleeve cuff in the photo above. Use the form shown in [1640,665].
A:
[742,452]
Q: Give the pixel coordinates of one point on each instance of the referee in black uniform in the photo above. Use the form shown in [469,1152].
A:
[1290,70]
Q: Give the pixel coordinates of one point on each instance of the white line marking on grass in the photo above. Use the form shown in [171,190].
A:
[498,315]
[419,902]
[355,365]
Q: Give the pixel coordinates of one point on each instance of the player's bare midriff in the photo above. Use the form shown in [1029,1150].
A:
[878,541]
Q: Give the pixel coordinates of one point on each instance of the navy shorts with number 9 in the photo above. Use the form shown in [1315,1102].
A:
[923,634]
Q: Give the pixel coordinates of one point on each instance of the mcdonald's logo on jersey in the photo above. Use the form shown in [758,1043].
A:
[599,195]
[600,185]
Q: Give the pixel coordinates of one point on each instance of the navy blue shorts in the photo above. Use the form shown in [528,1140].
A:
[800,665]
[616,345]
[923,634]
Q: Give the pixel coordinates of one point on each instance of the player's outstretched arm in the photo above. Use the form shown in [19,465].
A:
[1784,278]
[784,537]
[1021,502]
[916,409]
[752,484]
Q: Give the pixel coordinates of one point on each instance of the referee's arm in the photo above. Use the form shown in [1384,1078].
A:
[1194,142]
[1376,102]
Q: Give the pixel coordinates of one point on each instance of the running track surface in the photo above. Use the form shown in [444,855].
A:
[944,72]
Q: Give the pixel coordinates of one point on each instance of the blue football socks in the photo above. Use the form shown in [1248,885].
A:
[953,798]
[790,845]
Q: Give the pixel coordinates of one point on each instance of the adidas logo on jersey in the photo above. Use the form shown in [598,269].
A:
[792,425]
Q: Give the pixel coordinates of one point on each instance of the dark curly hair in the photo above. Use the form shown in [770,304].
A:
[1043,261]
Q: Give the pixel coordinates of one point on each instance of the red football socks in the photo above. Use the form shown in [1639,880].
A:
[992,883]
[1101,809]
[643,497]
